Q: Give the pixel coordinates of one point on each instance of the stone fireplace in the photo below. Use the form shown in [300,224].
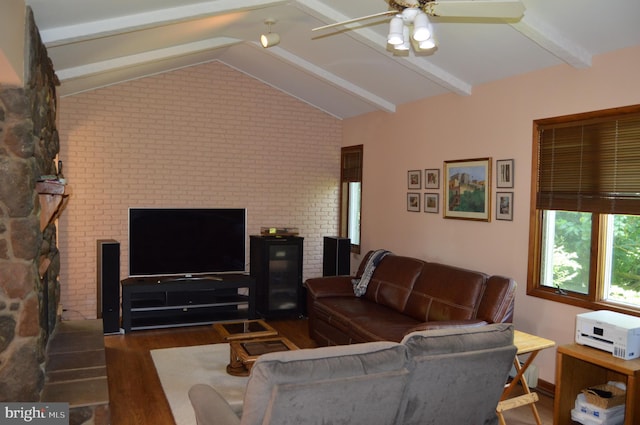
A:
[29,257]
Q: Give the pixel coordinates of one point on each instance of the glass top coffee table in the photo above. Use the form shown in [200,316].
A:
[244,329]
[243,354]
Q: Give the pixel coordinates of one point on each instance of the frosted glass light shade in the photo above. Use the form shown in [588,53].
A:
[427,44]
[270,39]
[395,31]
[421,27]
[406,43]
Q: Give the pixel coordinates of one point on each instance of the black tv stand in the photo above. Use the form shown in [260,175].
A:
[165,301]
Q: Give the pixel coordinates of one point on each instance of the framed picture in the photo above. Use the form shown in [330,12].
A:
[432,178]
[431,203]
[413,202]
[504,173]
[504,206]
[413,179]
[467,190]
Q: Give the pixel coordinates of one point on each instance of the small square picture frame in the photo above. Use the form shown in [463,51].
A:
[504,206]
[413,202]
[431,201]
[504,173]
[432,178]
[414,179]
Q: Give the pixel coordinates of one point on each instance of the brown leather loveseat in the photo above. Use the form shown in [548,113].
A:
[404,295]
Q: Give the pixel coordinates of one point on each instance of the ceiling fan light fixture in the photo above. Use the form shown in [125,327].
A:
[421,27]
[396,28]
[415,14]
[406,43]
[271,38]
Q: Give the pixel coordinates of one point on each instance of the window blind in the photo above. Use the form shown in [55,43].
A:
[590,165]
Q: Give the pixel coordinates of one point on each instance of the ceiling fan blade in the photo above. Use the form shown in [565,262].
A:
[351,21]
[476,9]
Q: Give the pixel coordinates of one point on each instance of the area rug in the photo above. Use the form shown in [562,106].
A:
[181,367]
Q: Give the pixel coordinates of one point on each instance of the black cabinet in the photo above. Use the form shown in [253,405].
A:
[276,266]
[163,302]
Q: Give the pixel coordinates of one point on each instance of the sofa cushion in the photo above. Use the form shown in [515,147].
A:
[383,324]
[362,320]
[360,383]
[461,372]
[393,280]
[443,292]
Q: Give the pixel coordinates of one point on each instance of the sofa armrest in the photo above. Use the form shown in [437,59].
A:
[330,286]
[498,300]
[447,324]
[210,407]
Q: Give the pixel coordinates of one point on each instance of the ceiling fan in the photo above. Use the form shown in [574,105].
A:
[412,16]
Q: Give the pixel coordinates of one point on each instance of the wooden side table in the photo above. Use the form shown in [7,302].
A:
[526,344]
[579,367]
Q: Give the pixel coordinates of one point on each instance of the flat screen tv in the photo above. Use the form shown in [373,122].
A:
[186,241]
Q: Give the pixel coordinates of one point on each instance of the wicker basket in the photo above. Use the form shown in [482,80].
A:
[617,398]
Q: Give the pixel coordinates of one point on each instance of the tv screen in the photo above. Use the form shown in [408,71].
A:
[189,241]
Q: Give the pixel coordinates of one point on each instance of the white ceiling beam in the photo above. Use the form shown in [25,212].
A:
[61,36]
[552,40]
[330,78]
[369,37]
[144,58]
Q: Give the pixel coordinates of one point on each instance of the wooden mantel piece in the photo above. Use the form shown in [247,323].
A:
[54,196]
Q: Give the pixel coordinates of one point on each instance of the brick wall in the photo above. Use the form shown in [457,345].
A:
[204,136]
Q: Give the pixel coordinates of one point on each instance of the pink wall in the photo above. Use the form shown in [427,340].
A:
[205,136]
[495,121]
[12,51]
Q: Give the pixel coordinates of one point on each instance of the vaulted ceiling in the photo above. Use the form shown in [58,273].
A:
[344,71]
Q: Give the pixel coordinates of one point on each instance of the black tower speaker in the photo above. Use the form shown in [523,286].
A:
[108,278]
[336,258]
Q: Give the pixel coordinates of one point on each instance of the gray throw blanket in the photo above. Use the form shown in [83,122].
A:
[360,285]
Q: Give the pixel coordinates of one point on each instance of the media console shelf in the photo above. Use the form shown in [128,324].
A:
[163,302]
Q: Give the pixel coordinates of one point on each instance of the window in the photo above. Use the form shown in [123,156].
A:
[584,242]
[351,195]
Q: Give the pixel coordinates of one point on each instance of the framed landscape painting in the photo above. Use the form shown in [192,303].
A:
[467,189]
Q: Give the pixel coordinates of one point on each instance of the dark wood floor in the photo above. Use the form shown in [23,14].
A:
[136,397]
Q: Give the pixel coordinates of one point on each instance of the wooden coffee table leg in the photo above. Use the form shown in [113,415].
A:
[235,366]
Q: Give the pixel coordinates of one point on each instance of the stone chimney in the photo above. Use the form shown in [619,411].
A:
[29,258]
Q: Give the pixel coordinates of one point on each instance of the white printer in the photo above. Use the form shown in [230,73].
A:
[607,330]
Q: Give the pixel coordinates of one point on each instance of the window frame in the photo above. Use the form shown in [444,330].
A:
[345,202]
[594,299]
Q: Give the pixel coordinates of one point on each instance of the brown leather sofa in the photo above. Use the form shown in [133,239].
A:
[404,295]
